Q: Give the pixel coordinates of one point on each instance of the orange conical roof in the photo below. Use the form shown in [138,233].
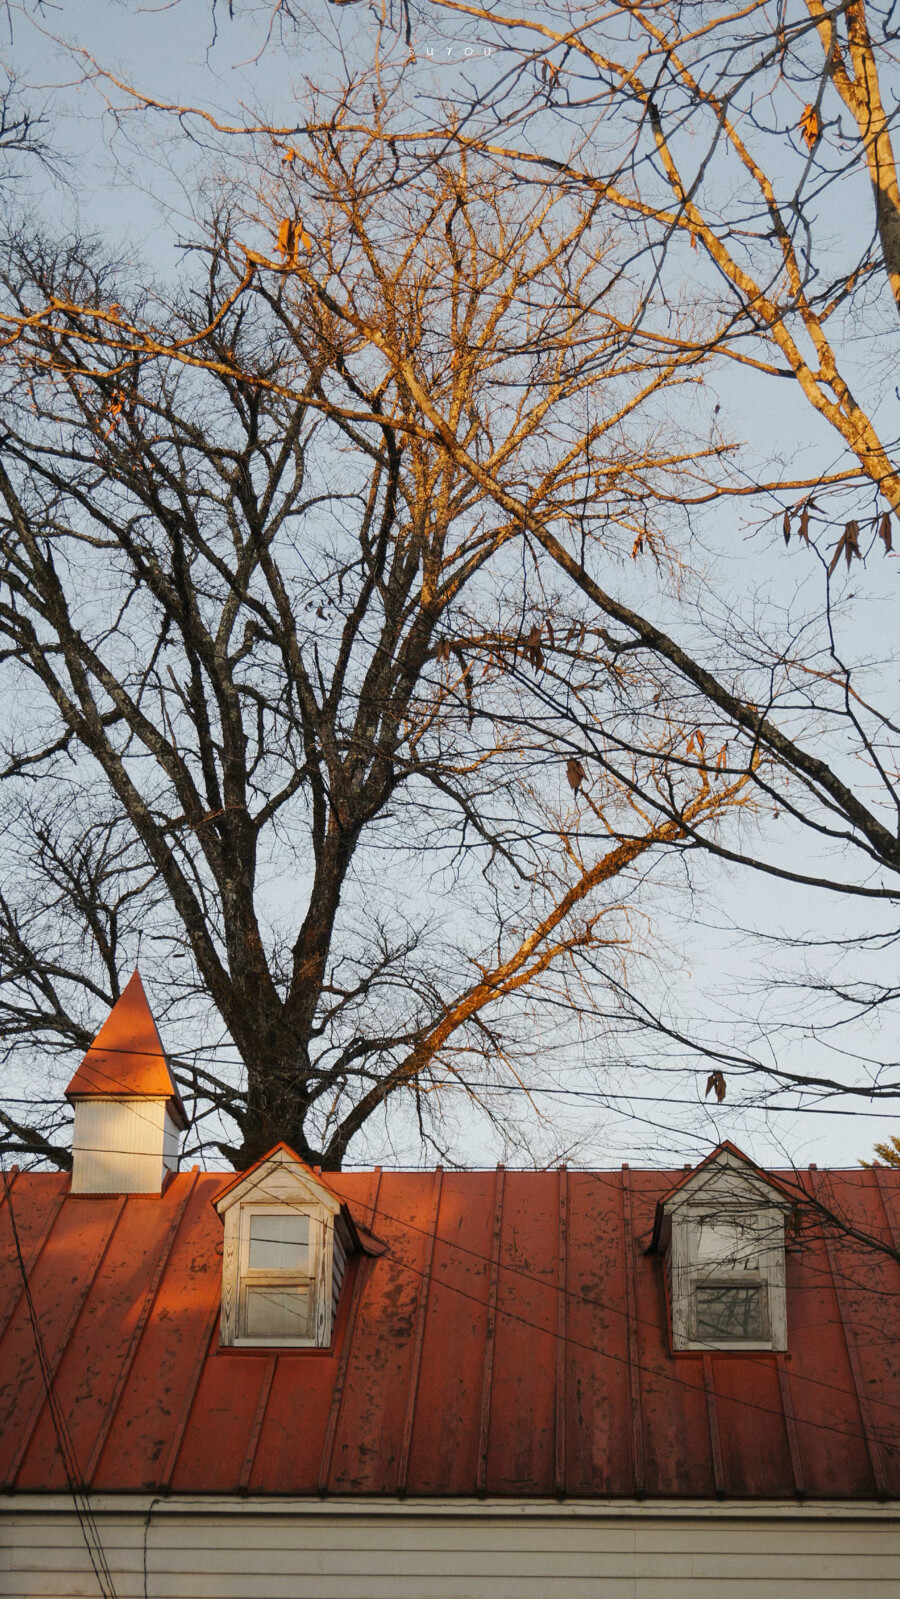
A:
[126,1059]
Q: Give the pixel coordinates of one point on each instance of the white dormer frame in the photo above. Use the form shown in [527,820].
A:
[722,1233]
[281,1185]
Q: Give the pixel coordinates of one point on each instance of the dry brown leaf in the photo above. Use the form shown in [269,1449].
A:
[715,1083]
[575,772]
[803,529]
[533,652]
[847,545]
[884,532]
[786,527]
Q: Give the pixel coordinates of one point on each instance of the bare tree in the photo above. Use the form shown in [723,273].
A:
[263,633]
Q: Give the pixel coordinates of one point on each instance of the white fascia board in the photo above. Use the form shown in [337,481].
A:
[142,1504]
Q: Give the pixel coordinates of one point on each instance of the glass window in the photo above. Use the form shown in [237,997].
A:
[730,1312]
[271,1311]
[727,1243]
[279,1243]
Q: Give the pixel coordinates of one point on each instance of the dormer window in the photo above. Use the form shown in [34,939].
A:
[278,1273]
[722,1233]
[286,1245]
[729,1289]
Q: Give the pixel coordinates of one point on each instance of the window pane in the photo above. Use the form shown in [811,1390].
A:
[726,1312]
[279,1243]
[271,1312]
[728,1243]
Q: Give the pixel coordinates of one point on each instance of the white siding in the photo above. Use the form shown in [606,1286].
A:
[311,1550]
[122,1146]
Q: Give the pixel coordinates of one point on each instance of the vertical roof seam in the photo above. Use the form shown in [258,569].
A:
[712,1416]
[137,1336]
[634,1361]
[37,1249]
[559,1461]
[55,1361]
[262,1402]
[337,1395]
[419,1334]
[484,1425]
[862,1399]
[790,1426]
[191,1388]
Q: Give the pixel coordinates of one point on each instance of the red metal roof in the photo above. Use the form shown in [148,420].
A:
[127,1059]
[511,1340]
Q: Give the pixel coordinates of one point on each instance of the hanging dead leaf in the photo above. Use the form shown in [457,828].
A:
[803,529]
[466,670]
[533,652]
[290,155]
[575,772]
[637,546]
[884,532]
[786,527]
[847,545]
[715,1083]
[721,758]
[693,241]
[809,125]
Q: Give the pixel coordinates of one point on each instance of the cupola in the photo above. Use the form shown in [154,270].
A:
[128,1112]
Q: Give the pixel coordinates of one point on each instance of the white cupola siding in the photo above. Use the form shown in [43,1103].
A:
[128,1112]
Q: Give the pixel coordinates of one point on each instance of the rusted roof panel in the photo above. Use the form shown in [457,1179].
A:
[512,1340]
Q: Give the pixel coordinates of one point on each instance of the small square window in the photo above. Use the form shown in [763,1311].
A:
[272,1311]
[278,1243]
[728,1312]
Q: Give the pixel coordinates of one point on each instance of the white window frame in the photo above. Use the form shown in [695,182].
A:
[687,1272]
[283,1185]
[272,1278]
